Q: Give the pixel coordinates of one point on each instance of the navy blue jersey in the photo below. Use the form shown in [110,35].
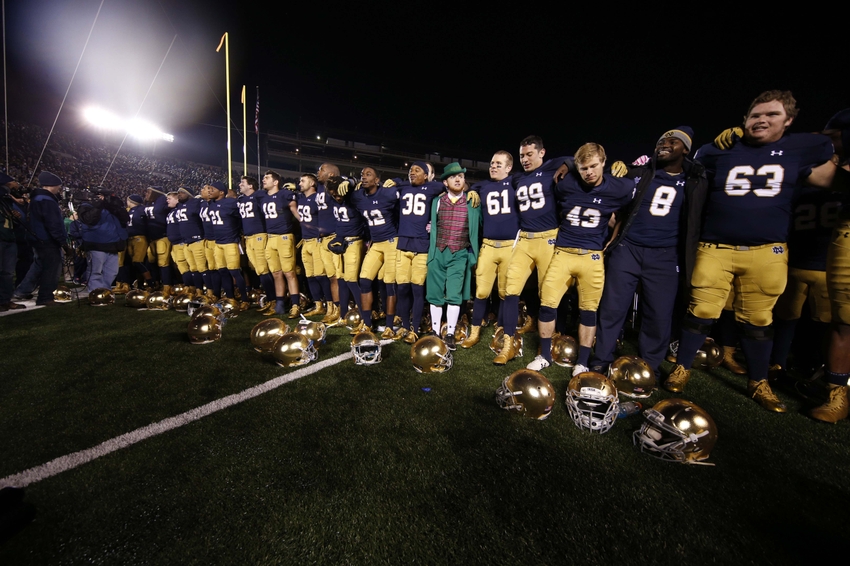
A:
[279,218]
[586,212]
[308,216]
[172,229]
[251,211]
[656,223]
[138,224]
[189,220]
[414,214]
[324,202]
[816,213]
[156,214]
[536,197]
[227,223]
[752,188]
[498,210]
[348,222]
[380,210]
[209,227]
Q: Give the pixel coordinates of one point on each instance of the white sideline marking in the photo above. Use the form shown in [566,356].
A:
[71,461]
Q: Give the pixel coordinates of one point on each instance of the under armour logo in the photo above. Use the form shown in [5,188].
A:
[776,152]
[778,250]
[374,202]
[594,256]
[597,201]
[540,174]
[680,183]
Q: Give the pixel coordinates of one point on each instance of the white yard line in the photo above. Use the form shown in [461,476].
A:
[71,461]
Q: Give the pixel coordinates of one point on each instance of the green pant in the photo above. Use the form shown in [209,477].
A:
[446,273]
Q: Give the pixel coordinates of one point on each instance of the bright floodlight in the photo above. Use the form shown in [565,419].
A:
[137,128]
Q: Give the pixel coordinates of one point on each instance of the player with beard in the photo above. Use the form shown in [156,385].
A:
[649,249]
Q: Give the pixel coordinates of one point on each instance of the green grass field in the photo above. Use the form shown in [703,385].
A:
[372,465]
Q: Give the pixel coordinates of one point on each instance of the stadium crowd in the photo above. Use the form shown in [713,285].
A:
[747,230]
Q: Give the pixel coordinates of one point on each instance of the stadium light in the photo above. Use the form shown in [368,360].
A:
[137,128]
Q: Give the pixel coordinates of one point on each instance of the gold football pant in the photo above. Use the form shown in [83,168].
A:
[533,249]
[585,267]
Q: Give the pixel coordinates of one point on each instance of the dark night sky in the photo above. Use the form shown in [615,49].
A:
[460,78]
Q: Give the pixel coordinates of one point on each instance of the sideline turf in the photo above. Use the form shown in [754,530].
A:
[361,465]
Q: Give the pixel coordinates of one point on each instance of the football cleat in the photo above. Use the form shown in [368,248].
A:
[729,362]
[764,396]
[677,431]
[592,402]
[507,352]
[411,337]
[527,392]
[677,379]
[473,338]
[836,408]
[539,363]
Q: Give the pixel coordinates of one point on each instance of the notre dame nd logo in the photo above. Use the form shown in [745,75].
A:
[595,257]
[778,250]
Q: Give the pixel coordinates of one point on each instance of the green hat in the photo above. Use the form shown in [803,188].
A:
[452,169]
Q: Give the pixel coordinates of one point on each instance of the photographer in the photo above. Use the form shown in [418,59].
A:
[48,230]
[101,226]
[10,224]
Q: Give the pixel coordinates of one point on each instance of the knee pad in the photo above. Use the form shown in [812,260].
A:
[365,285]
[696,325]
[587,318]
[755,332]
[390,289]
[547,314]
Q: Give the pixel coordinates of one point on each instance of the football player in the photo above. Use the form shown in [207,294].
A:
[747,213]
[308,216]
[350,229]
[172,232]
[280,210]
[137,245]
[327,225]
[227,224]
[192,232]
[500,226]
[159,247]
[250,204]
[588,198]
[647,249]
[212,277]
[415,200]
[379,206]
[538,222]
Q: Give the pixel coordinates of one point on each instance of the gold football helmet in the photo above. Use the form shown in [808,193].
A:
[527,392]
[313,331]
[177,289]
[564,350]
[366,348]
[429,354]
[180,302]
[633,377]
[159,301]
[196,303]
[230,307]
[352,319]
[204,329]
[101,297]
[592,402]
[62,294]
[266,333]
[709,356]
[677,431]
[209,309]
[256,296]
[136,298]
[293,349]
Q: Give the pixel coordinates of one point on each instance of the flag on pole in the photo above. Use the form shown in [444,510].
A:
[257,114]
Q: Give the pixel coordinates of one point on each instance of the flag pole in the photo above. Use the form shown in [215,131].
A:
[226,41]
[244,134]
[257,131]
